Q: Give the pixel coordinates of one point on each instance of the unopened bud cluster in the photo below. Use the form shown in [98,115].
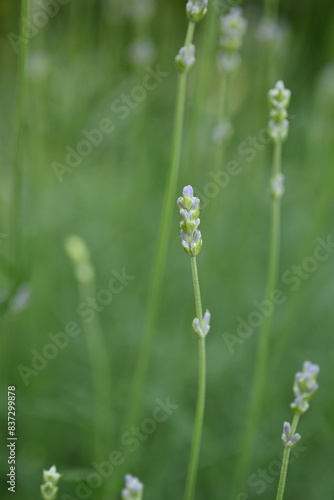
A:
[304,387]
[279,99]
[288,438]
[185,59]
[78,252]
[232,30]
[202,328]
[191,237]
[133,488]
[277,186]
[196,10]
[49,488]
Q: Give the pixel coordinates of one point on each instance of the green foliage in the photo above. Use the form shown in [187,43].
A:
[97,136]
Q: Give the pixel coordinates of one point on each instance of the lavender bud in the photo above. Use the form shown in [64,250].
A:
[133,488]
[51,475]
[273,34]
[185,59]
[228,62]
[197,328]
[279,97]
[141,52]
[278,131]
[295,438]
[196,10]
[286,432]
[277,186]
[78,253]
[222,131]
[49,491]
[188,191]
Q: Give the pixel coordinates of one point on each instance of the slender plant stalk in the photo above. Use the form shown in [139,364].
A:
[322,210]
[196,440]
[159,265]
[285,461]
[271,9]
[101,376]
[97,350]
[204,80]
[232,30]
[261,363]
[223,115]
[17,173]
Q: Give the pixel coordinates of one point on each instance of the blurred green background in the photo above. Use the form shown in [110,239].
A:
[85,58]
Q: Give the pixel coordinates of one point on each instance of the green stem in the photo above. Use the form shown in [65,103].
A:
[271,9]
[101,377]
[159,265]
[223,115]
[197,434]
[261,361]
[17,173]
[197,291]
[204,80]
[285,461]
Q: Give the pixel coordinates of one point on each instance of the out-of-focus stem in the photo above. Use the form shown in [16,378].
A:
[17,172]
[261,362]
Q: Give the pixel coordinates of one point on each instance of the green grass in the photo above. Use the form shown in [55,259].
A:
[113,200]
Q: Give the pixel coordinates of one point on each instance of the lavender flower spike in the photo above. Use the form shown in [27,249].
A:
[191,238]
[304,387]
[279,99]
[232,30]
[133,488]
[196,10]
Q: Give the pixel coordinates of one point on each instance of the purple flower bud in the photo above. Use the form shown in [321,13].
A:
[310,368]
[133,488]
[185,214]
[206,317]
[195,202]
[197,236]
[184,235]
[179,201]
[286,428]
[296,437]
[188,191]
[197,327]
